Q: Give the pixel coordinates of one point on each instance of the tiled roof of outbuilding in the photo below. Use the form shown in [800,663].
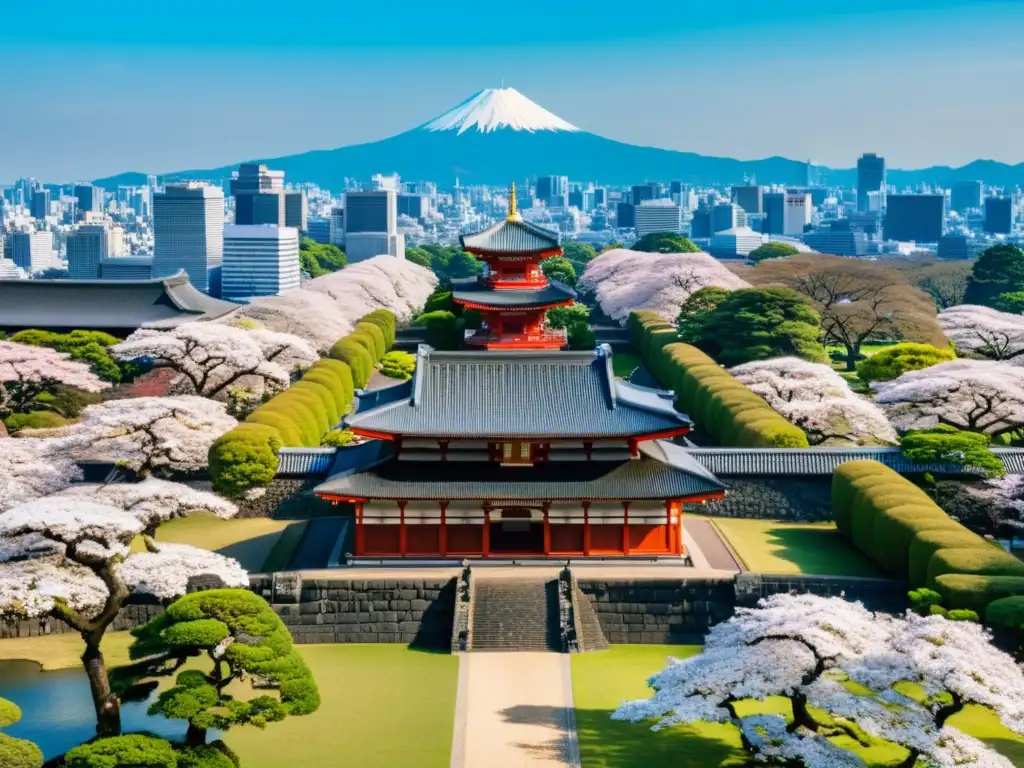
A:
[472,290]
[511,236]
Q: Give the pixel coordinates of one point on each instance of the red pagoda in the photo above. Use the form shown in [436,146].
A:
[513,294]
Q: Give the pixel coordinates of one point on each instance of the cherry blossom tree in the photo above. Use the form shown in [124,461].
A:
[310,315]
[985,332]
[976,395]
[809,649]
[623,281]
[209,357]
[30,468]
[70,559]
[817,399]
[27,372]
[382,282]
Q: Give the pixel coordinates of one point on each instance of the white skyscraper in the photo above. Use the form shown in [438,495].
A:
[87,246]
[259,260]
[32,251]
[188,228]
[658,217]
[798,209]
[371,225]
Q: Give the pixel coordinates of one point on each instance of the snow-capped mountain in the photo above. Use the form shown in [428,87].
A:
[499,135]
[495,108]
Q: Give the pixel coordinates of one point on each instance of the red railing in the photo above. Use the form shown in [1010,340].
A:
[548,337]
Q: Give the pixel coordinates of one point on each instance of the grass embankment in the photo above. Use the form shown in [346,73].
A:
[624,363]
[382,705]
[812,548]
[601,681]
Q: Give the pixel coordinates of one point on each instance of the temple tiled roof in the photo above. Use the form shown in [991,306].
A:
[117,305]
[664,471]
[511,236]
[472,290]
[522,395]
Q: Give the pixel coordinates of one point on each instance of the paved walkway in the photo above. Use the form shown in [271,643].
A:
[712,549]
[515,710]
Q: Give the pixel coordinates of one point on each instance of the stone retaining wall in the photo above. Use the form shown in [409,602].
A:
[805,499]
[887,595]
[130,617]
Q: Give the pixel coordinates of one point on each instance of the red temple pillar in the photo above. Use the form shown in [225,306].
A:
[680,549]
[487,532]
[442,534]
[360,532]
[547,530]
[401,528]
[586,527]
[670,533]
[625,527]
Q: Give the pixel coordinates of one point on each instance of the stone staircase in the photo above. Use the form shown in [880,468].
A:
[592,635]
[515,615]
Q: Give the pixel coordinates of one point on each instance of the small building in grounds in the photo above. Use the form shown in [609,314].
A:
[522,453]
[118,307]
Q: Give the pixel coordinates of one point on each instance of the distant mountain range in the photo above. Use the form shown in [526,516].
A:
[498,135]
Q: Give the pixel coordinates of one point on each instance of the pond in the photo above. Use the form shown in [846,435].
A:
[57,711]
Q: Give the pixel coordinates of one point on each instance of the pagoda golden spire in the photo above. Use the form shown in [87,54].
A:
[513,210]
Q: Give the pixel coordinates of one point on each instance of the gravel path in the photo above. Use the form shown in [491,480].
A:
[515,711]
[711,546]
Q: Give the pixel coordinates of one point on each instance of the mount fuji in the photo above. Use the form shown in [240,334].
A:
[499,135]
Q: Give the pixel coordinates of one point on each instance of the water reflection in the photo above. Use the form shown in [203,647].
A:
[57,711]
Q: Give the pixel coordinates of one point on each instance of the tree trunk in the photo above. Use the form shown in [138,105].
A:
[108,708]
[851,358]
[195,737]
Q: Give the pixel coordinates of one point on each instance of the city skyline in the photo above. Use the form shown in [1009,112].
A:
[906,80]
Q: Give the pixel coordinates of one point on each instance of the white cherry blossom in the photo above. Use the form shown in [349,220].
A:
[26,371]
[985,332]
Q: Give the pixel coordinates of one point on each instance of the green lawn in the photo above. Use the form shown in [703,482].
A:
[63,651]
[769,547]
[601,681]
[250,540]
[624,363]
[856,384]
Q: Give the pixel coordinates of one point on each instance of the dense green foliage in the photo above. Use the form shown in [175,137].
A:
[563,317]
[892,362]
[86,347]
[449,261]
[34,420]
[398,365]
[580,336]
[379,344]
[385,320]
[694,313]
[944,443]
[338,438]
[418,256]
[243,458]
[998,270]
[1012,302]
[665,242]
[761,323]
[318,259]
[732,414]
[772,250]
[16,753]
[579,255]
[243,639]
[135,750]
[559,268]
[1006,612]
[901,529]
[443,329]
[356,356]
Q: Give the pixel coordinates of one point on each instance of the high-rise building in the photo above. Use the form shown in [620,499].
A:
[40,204]
[748,197]
[650,219]
[734,243]
[726,216]
[553,191]
[838,242]
[296,210]
[965,196]
[999,215]
[917,218]
[337,226]
[774,212]
[90,199]
[798,210]
[188,230]
[360,246]
[413,206]
[600,196]
[625,216]
[127,268]
[642,192]
[870,178]
[259,260]
[32,251]
[371,225]
[259,195]
[87,246]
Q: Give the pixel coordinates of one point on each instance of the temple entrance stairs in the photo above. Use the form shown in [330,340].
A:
[515,615]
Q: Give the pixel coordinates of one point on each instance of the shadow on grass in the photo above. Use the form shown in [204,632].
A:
[819,552]
[1011,750]
[251,553]
[607,743]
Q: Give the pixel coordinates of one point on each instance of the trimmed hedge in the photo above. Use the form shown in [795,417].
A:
[385,320]
[926,543]
[976,593]
[988,561]
[1006,612]
[380,347]
[728,410]
[356,356]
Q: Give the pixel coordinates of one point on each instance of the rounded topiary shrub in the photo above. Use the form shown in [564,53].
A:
[243,458]
[324,395]
[289,432]
[1006,612]
[975,592]
[357,358]
[340,375]
[844,492]
[926,543]
[987,561]
[895,528]
[135,750]
[380,346]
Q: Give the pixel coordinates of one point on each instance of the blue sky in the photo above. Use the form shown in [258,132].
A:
[93,89]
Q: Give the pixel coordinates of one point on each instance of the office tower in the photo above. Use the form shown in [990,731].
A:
[953,247]
[90,199]
[748,197]
[870,178]
[296,210]
[869,222]
[837,241]
[917,218]
[337,226]
[413,206]
[737,242]
[798,210]
[319,230]
[127,268]
[642,192]
[553,191]
[726,216]
[576,198]
[40,204]
[151,181]
[371,225]
[775,212]
[188,229]
[649,219]
[32,251]
[965,196]
[675,188]
[259,260]
[87,246]
[259,195]
[625,216]
[11,271]
[360,246]
[818,195]
[812,174]
[600,196]
[999,215]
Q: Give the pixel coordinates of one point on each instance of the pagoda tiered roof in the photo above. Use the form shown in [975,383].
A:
[522,395]
[474,290]
[511,236]
[663,471]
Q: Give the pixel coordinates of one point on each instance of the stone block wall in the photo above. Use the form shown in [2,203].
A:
[887,595]
[806,499]
[347,610]
[289,498]
[130,617]
[659,610]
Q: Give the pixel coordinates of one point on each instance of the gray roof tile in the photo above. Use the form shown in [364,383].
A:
[512,236]
[473,290]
